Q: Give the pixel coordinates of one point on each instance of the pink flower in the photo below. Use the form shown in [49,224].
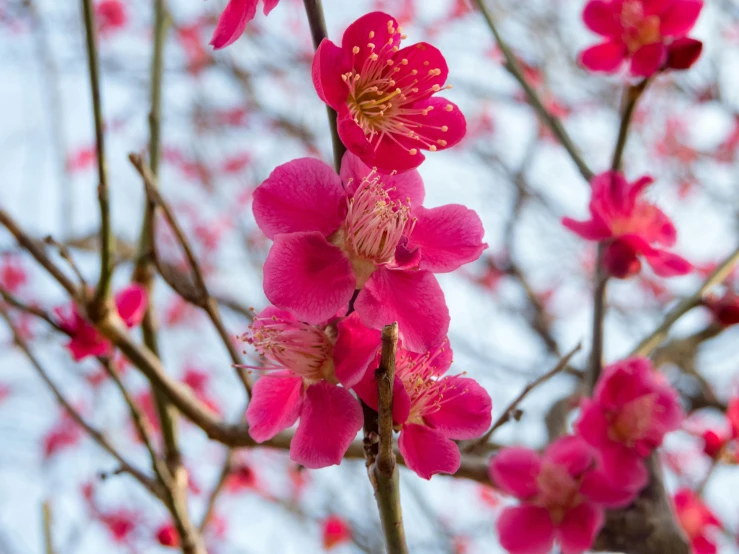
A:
[307,365]
[696,519]
[384,94]
[167,536]
[12,274]
[649,33]
[431,409]
[111,16]
[562,497]
[234,18]
[336,531]
[630,226]
[240,478]
[631,411]
[725,308]
[85,340]
[369,234]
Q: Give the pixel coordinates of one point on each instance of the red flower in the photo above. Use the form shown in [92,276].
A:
[562,497]
[725,309]
[384,94]
[629,226]
[631,411]
[234,18]
[649,33]
[336,531]
[241,477]
[695,518]
[167,536]
[111,16]
[63,434]
[12,274]
[85,339]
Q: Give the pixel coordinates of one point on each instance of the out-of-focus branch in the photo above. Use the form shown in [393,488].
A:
[96,435]
[533,97]
[632,96]
[317,22]
[599,316]
[513,406]
[199,295]
[37,251]
[382,468]
[653,340]
[47,523]
[106,233]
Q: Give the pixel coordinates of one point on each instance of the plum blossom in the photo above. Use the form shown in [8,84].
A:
[430,409]
[384,94]
[650,34]
[85,340]
[562,497]
[336,531]
[334,235]
[696,519]
[234,18]
[167,536]
[631,411]
[629,226]
[111,16]
[725,308]
[307,363]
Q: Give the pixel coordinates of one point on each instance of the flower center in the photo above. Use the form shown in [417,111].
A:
[373,227]
[306,350]
[558,490]
[382,92]
[634,420]
[639,29]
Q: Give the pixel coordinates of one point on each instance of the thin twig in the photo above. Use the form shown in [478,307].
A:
[106,233]
[36,250]
[513,406]
[633,93]
[533,97]
[32,310]
[382,468]
[96,435]
[217,488]
[317,22]
[655,338]
[599,315]
[48,523]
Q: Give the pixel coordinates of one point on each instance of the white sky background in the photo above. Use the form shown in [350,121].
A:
[493,344]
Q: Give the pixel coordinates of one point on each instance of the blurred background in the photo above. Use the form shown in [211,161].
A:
[228,119]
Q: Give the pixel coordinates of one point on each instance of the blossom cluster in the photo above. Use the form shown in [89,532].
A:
[564,492]
[356,250]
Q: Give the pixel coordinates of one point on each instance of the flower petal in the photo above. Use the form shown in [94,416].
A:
[425,60]
[412,298]
[275,404]
[606,57]
[131,303]
[355,347]
[353,137]
[449,237]
[441,125]
[366,389]
[301,195]
[514,470]
[598,488]
[683,53]
[305,274]
[572,453]
[270,5]
[370,33]
[593,229]
[577,531]
[428,452]
[466,411]
[680,17]
[648,59]
[403,187]
[232,22]
[667,264]
[327,71]
[526,529]
[329,420]
[600,17]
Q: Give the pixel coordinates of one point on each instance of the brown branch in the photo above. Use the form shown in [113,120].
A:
[653,340]
[381,465]
[96,435]
[106,234]
[533,97]
[317,22]
[513,406]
